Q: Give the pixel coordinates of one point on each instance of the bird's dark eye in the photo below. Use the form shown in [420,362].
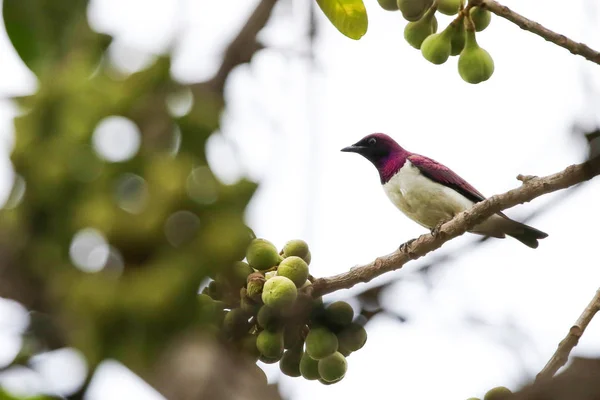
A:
[372,141]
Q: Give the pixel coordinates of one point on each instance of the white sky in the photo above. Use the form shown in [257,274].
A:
[288,120]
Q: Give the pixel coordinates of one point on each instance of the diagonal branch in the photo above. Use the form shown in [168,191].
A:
[532,26]
[561,355]
[530,189]
[244,45]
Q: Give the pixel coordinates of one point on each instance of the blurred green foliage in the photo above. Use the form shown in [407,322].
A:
[130,315]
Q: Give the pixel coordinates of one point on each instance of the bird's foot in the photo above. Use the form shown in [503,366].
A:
[404,247]
[436,229]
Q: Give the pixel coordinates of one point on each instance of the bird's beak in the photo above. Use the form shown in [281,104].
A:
[353,149]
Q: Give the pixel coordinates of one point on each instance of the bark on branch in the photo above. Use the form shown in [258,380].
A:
[561,355]
[533,27]
[528,191]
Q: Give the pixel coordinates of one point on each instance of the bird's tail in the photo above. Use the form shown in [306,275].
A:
[526,234]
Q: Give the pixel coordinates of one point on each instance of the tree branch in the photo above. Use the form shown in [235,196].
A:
[243,46]
[533,27]
[464,221]
[561,355]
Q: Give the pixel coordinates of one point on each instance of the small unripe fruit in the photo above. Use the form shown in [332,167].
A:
[448,7]
[309,368]
[498,393]
[308,258]
[320,343]
[268,318]
[352,338]
[279,292]
[339,313]
[333,368]
[413,10]
[270,344]
[475,65]
[262,254]
[389,5]
[255,284]
[324,382]
[290,362]
[457,41]
[481,18]
[297,247]
[416,32]
[248,344]
[236,322]
[436,48]
[206,308]
[239,274]
[295,269]
[269,360]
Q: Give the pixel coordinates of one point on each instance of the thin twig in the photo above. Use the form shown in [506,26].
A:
[532,26]
[561,355]
[243,46]
[528,191]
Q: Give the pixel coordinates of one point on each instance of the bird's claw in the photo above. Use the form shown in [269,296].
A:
[404,246]
[436,229]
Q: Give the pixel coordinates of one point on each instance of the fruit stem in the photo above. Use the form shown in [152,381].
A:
[471,41]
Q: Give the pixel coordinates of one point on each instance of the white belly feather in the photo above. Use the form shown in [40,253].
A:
[423,200]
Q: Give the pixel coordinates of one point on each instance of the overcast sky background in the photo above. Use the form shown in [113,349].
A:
[286,120]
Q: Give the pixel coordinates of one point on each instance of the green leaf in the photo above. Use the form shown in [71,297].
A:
[42,31]
[348,16]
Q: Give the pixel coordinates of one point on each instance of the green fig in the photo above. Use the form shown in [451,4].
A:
[475,65]
[339,314]
[436,48]
[389,5]
[416,32]
[481,18]
[333,368]
[497,393]
[297,247]
[248,344]
[448,7]
[262,255]
[236,323]
[309,368]
[279,292]
[413,10]
[270,344]
[268,318]
[352,338]
[295,269]
[459,36]
[290,362]
[320,343]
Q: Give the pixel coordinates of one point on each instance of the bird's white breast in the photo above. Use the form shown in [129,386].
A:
[423,200]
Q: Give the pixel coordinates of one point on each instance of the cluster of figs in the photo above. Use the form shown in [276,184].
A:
[475,65]
[265,310]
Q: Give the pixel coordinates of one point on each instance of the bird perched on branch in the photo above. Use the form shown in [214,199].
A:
[430,193]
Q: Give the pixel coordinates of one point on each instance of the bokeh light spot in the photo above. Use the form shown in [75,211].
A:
[116,139]
[89,250]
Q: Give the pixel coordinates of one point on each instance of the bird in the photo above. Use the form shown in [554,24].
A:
[430,193]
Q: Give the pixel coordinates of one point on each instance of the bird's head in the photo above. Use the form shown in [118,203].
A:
[383,151]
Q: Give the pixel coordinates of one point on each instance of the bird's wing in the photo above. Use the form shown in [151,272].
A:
[443,175]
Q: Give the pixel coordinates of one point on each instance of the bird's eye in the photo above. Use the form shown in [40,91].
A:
[372,141]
